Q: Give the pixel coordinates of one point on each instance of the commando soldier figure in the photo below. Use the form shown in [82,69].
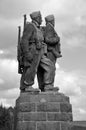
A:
[53,43]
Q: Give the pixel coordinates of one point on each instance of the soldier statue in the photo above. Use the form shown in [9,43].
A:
[30,44]
[52,41]
[37,53]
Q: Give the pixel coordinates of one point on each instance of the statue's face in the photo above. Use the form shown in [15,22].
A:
[53,22]
[39,20]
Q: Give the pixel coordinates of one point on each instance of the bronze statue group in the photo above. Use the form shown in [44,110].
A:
[38,49]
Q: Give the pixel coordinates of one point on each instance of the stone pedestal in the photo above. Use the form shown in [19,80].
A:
[43,111]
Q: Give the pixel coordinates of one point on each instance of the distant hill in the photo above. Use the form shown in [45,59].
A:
[79,123]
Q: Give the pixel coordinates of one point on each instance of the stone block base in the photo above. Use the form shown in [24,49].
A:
[43,111]
[44,125]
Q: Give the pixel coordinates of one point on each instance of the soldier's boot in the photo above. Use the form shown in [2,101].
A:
[29,88]
[50,87]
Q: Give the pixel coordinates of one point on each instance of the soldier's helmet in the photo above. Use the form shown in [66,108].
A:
[35,14]
[49,18]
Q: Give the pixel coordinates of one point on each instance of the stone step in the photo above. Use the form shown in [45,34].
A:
[44,107]
[43,111]
[44,125]
[42,97]
[44,116]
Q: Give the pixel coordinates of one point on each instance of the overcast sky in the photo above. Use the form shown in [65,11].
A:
[70,16]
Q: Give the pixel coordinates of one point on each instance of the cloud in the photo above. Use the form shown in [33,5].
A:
[67,81]
[8,53]
[70,21]
[1,81]
[82,111]
[71,81]
[8,74]
[8,97]
[75,37]
[53,7]
[9,37]
[8,34]
[9,82]
[19,7]
[1,52]
[11,93]
[81,20]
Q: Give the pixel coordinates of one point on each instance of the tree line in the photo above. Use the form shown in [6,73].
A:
[6,118]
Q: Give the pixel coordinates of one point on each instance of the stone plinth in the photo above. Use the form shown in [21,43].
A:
[43,111]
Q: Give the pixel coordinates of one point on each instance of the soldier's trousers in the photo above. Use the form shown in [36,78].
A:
[45,73]
[39,62]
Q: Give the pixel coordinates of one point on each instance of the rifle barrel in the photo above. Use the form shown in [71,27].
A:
[25,19]
[19,34]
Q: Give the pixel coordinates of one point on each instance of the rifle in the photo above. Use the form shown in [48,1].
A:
[19,51]
[25,20]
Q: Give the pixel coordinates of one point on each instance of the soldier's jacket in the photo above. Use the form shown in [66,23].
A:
[53,42]
[30,42]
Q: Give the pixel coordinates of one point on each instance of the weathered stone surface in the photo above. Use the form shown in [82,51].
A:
[53,97]
[65,126]
[25,97]
[46,97]
[48,126]
[20,116]
[65,107]
[32,116]
[43,111]
[48,107]
[26,125]
[53,116]
[26,107]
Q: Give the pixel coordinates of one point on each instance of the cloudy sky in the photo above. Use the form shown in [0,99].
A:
[71,68]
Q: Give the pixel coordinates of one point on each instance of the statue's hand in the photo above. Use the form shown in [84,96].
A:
[29,57]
